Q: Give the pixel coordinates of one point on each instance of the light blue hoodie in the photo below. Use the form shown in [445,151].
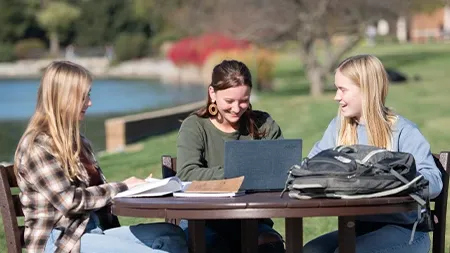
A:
[406,138]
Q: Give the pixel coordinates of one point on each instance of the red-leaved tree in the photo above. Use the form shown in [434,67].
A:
[195,50]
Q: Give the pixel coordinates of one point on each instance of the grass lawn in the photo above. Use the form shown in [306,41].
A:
[424,101]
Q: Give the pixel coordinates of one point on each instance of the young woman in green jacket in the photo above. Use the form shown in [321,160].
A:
[228,115]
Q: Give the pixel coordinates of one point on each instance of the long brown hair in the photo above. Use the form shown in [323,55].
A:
[369,74]
[229,74]
[61,95]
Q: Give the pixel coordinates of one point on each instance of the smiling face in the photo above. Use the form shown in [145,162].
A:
[349,97]
[231,103]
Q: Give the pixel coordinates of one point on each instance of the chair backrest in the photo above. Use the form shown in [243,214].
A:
[169,169]
[440,203]
[11,209]
[169,166]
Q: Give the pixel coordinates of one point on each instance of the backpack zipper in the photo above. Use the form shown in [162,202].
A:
[347,176]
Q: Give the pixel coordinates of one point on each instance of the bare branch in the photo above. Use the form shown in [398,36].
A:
[334,58]
[270,22]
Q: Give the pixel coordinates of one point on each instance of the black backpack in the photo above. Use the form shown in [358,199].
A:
[358,171]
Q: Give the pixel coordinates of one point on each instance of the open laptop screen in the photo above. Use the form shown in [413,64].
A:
[264,163]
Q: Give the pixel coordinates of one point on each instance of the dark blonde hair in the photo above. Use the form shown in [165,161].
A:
[62,93]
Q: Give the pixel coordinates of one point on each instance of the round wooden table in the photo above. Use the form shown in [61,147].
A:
[251,207]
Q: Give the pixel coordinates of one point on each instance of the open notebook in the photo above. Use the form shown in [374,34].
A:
[208,195]
[213,189]
[160,187]
[155,187]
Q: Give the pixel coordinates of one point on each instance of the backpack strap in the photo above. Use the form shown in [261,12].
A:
[415,196]
[421,202]
[413,230]
[419,217]
[290,178]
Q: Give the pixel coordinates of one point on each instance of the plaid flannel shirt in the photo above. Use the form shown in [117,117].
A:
[51,201]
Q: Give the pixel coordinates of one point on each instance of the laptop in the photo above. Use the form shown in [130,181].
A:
[263,163]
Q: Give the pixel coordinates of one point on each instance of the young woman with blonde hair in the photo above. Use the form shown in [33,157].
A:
[64,195]
[363,118]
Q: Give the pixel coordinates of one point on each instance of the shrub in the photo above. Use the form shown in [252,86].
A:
[29,48]
[160,39]
[130,46]
[7,53]
[260,61]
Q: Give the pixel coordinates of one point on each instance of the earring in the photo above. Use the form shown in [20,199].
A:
[212,109]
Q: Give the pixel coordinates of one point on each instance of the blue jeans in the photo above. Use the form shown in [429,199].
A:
[223,236]
[154,238]
[388,239]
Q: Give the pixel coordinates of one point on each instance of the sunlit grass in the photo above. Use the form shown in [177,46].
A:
[424,101]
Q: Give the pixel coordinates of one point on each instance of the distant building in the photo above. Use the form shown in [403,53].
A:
[433,25]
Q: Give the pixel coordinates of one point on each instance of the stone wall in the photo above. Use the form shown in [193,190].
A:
[146,68]
[124,130]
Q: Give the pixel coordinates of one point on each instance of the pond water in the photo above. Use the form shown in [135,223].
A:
[110,98]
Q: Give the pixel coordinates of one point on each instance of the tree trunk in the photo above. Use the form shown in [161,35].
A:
[335,56]
[264,85]
[314,70]
[317,78]
[54,44]
[317,72]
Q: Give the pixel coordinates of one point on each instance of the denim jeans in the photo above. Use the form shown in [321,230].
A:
[388,239]
[154,238]
[223,236]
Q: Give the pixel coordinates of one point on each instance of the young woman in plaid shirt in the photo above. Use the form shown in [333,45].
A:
[65,197]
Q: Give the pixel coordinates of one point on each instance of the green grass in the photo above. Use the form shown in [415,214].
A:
[425,102]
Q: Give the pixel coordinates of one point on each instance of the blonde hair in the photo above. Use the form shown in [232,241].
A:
[62,94]
[369,74]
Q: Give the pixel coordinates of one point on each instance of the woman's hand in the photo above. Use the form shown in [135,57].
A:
[133,181]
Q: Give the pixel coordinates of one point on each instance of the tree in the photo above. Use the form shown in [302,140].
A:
[313,24]
[157,14]
[56,18]
[11,12]
[16,17]
[94,26]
